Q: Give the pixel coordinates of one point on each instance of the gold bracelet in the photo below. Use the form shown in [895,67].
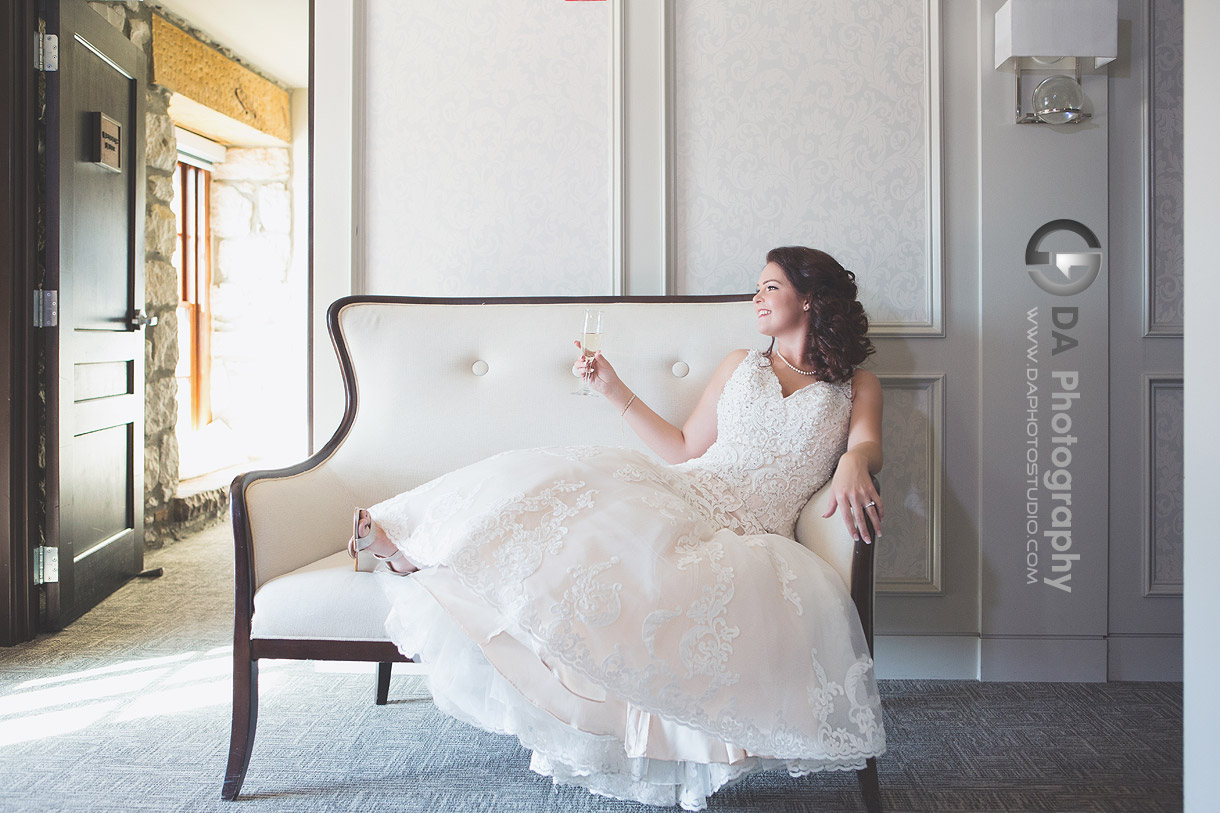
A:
[627,406]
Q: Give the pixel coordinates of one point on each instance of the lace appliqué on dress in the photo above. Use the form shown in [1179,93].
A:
[771,453]
[783,572]
[589,600]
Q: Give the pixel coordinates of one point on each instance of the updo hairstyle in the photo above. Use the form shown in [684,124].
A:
[838,327]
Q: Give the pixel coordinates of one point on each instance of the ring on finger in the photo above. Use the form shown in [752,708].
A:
[870,504]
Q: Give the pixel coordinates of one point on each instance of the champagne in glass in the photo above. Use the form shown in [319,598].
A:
[590,343]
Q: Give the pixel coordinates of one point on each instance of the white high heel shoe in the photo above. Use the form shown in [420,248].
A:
[358,544]
[397,556]
[358,549]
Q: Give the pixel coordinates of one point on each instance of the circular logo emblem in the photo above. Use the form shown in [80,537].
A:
[1070,272]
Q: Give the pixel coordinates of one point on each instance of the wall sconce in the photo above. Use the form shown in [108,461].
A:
[1041,36]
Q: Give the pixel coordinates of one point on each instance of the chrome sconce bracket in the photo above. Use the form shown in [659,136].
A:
[1078,115]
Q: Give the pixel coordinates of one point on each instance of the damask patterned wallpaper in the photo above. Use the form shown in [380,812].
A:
[487,148]
[1165,570]
[909,553]
[1167,304]
[1165,295]
[803,122]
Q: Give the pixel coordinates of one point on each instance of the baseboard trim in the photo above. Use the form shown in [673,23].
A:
[1080,659]
[1156,658]
[1145,657]
[927,657]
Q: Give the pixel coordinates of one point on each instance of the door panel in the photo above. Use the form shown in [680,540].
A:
[96,481]
[99,193]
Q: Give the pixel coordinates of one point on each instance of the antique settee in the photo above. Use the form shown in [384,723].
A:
[434,384]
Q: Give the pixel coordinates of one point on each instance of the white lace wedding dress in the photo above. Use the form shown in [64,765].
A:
[650,632]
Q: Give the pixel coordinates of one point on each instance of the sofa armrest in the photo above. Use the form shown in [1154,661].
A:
[826,536]
[852,559]
[292,517]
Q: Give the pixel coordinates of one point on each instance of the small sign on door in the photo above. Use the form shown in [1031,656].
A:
[105,141]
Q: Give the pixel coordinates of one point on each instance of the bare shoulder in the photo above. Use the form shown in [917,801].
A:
[730,363]
[734,358]
[725,371]
[865,382]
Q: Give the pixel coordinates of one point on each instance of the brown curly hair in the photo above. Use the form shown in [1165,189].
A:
[838,326]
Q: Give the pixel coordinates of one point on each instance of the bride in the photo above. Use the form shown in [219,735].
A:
[652,632]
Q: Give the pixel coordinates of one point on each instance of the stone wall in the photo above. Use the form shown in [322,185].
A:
[258,305]
[134,19]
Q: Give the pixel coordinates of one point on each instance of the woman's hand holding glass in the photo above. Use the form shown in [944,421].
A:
[597,371]
[590,342]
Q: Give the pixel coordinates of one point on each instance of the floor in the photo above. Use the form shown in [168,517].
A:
[129,709]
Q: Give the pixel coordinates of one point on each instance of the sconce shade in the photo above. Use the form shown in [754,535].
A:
[1056,28]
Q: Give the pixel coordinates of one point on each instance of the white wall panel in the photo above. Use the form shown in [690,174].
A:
[334,176]
[810,123]
[486,148]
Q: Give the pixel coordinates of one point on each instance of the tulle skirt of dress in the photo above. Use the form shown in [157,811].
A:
[577,600]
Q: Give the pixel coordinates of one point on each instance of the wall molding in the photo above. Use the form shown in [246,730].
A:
[1152,326]
[930,584]
[643,159]
[336,189]
[671,282]
[360,207]
[933,294]
[618,124]
[934,205]
[1154,383]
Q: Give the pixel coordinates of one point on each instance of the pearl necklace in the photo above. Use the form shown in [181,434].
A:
[790,367]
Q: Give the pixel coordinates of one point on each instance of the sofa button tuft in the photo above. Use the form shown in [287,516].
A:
[479,367]
[681,368]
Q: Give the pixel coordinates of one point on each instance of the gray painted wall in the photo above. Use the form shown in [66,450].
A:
[1146,417]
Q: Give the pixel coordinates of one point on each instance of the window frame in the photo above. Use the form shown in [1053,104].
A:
[193,263]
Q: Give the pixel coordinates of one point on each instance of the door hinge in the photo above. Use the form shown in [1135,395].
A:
[46,52]
[46,565]
[140,320]
[46,308]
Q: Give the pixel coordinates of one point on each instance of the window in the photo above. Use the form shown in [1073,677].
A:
[193,260]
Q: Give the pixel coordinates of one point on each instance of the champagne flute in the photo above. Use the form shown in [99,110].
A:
[590,343]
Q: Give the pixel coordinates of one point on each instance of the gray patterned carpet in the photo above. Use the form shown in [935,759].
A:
[129,709]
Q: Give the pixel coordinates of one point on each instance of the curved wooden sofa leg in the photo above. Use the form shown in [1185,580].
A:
[870,788]
[245,719]
[383,682]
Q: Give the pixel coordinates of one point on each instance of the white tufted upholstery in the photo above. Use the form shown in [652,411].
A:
[441,386]
[327,599]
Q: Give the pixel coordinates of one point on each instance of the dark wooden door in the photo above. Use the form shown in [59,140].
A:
[95,258]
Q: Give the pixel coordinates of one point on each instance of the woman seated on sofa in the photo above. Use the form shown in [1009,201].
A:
[649,631]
